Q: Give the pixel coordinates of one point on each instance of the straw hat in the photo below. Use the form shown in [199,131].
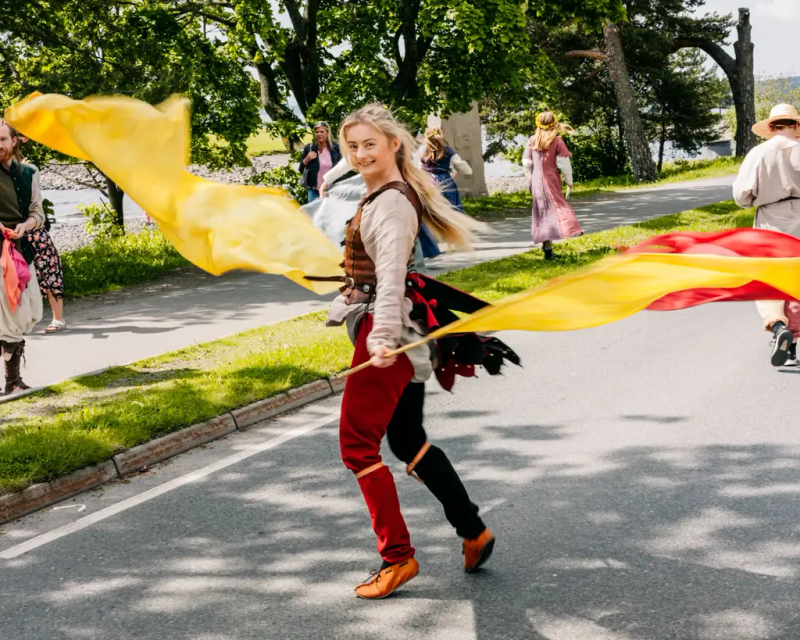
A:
[779,112]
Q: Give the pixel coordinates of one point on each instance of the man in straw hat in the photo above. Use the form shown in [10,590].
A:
[770,180]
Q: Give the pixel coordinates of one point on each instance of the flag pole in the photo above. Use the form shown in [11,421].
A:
[390,354]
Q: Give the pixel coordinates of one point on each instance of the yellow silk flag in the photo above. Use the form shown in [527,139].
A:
[145,150]
[619,286]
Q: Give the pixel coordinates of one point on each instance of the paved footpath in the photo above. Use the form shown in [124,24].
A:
[642,479]
[191,307]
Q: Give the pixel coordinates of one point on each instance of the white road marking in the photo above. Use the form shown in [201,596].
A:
[133,501]
[81,507]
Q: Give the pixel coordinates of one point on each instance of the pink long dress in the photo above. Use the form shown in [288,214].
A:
[553,218]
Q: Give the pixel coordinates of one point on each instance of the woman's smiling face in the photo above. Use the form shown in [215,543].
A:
[371,152]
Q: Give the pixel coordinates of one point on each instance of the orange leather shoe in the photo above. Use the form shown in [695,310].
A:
[478,550]
[386,581]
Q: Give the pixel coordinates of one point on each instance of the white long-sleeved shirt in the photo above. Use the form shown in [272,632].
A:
[457,163]
[342,168]
[388,229]
[769,179]
[562,162]
[770,173]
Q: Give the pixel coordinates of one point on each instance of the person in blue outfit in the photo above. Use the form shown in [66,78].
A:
[440,160]
[318,158]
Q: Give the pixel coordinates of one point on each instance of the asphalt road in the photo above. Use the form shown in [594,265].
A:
[189,307]
[642,479]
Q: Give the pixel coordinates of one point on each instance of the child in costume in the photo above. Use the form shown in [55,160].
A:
[439,159]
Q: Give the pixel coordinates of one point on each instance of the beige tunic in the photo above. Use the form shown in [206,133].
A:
[770,180]
[15,324]
[388,229]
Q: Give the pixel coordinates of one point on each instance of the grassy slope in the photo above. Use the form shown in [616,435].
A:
[106,265]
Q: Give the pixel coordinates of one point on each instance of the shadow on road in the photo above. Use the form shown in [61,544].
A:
[643,543]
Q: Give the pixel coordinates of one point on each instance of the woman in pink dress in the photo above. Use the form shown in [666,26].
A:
[546,153]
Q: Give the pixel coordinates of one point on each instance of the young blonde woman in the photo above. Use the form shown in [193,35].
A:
[382,308]
[546,153]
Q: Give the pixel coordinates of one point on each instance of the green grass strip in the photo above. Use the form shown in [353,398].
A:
[500,278]
[111,263]
[88,419]
[678,171]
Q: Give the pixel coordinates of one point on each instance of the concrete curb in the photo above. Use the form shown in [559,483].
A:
[139,457]
[40,496]
[337,384]
[27,392]
[271,407]
[20,394]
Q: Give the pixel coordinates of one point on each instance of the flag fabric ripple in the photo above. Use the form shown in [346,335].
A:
[145,150]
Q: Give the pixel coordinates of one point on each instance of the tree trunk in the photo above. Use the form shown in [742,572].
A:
[300,58]
[744,100]
[115,196]
[644,169]
[739,71]
[405,83]
[272,102]
[661,142]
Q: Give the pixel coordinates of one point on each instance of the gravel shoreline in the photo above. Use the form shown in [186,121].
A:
[64,177]
[69,237]
[69,177]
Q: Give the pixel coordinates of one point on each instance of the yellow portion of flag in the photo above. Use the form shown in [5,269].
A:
[619,286]
[145,150]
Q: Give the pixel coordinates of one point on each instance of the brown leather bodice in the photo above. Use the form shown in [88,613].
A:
[361,279]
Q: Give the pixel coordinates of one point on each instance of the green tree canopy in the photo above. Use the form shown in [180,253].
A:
[676,97]
[331,56]
[685,105]
[141,49]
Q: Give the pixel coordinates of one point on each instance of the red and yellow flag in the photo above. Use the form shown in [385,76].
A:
[665,273]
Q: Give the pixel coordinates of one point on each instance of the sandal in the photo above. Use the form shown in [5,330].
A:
[55,326]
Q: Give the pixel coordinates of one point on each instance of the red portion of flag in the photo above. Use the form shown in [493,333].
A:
[747,243]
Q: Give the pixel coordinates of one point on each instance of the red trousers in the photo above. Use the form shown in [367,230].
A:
[370,398]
